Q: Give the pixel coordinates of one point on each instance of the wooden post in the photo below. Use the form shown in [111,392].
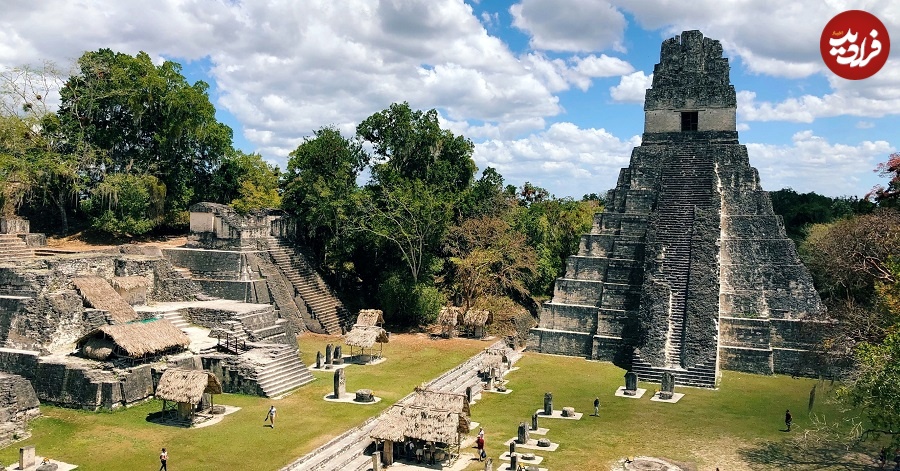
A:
[388,453]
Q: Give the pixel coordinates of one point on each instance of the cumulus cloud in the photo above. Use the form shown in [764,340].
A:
[811,163]
[564,159]
[631,87]
[570,25]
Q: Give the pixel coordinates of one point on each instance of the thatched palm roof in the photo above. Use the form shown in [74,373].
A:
[477,318]
[180,385]
[430,415]
[449,316]
[365,337]
[100,295]
[441,400]
[135,339]
[370,317]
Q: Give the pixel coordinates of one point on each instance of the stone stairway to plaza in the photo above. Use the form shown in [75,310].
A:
[283,373]
[700,376]
[282,292]
[321,302]
[346,452]
[13,248]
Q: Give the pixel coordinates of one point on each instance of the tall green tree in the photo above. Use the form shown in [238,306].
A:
[320,187]
[245,181]
[411,145]
[146,119]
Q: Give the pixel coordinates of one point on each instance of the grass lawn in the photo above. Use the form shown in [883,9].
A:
[729,428]
[124,440]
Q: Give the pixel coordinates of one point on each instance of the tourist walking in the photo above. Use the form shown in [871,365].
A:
[270,417]
[596,407]
[788,419]
[479,443]
[163,459]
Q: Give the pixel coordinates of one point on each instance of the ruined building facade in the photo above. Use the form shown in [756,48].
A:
[688,269]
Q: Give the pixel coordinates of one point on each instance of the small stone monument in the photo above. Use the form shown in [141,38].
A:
[340,383]
[364,395]
[543,442]
[513,461]
[667,388]
[376,461]
[490,383]
[328,356]
[568,412]
[26,457]
[548,403]
[338,356]
[319,360]
[534,422]
[512,447]
[631,383]
[522,439]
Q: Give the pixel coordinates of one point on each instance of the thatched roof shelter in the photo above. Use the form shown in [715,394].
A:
[133,340]
[365,336]
[431,416]
[187,386]
[449,316]
[370,317]
[98,293]
[477,318]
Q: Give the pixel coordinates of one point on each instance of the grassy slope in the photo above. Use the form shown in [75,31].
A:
[124,440]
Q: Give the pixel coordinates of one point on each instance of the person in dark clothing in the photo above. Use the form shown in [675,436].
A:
[596,406]
[788,419]
[163,460]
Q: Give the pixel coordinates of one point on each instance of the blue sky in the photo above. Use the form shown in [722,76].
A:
[550,91]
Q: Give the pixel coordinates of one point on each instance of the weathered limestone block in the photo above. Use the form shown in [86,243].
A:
[568,412]
[363,395]
[18,405]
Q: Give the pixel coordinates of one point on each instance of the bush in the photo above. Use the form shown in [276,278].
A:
[406,303]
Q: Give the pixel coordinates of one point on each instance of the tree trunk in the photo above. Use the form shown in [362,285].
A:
[63,218]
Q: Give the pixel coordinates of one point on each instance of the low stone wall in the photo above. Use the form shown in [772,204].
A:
[560,342]
[227,289]
[237,377]
[207,264]
[749,360]
[18,405]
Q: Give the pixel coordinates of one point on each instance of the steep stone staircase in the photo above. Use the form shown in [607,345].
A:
[688,184]
[320,301]
[12,248]
[282,293]
[284,373]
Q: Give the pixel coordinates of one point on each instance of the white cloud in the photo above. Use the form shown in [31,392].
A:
[631,87]
[864,125]
[570,25]
[811,163]
[564,159]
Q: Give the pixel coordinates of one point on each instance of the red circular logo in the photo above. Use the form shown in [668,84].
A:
[855,44]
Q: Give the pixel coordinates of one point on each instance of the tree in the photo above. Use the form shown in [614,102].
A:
[412,146]
[126,204]
[891,193]
[40,163]
[319,187]
[874,390]
[146,119]
[245,181]
[410,216]
[487,257]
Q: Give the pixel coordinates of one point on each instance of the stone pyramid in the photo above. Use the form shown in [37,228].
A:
[688,270]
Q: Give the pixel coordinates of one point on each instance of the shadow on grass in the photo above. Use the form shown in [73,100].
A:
[168,418]
[806,453]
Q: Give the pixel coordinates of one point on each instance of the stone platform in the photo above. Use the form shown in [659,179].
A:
[621,393]
[531,444]
[557,414]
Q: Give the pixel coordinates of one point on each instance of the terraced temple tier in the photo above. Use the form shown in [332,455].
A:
[688,270]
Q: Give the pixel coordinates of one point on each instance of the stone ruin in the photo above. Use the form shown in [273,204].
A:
[234,280]
[688,269]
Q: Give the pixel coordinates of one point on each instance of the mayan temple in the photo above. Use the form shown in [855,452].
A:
[688,270]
